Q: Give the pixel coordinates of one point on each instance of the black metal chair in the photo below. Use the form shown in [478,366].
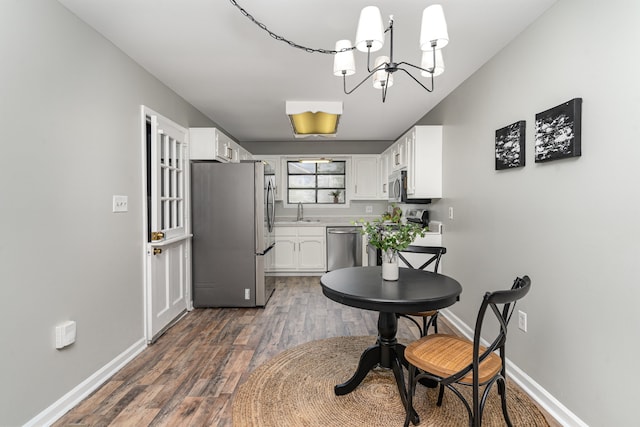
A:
[449,359]
[428,317]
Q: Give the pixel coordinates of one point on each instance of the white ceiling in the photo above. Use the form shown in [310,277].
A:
[240,77]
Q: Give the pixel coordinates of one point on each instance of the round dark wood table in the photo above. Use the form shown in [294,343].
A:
[414,291]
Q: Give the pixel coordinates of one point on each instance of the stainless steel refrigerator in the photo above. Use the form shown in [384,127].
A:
[233,215]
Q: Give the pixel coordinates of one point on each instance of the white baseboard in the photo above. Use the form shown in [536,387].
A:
[86,387]
[550,404]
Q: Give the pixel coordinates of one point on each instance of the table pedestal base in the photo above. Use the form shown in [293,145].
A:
[387,353]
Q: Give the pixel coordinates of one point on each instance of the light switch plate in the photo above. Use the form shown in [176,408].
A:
[120,203]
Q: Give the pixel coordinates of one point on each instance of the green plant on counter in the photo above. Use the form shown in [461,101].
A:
[336,193]
[394,215]
[391,234]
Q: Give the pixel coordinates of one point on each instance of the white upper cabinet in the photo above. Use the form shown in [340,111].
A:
[399,153]
[365,176]
[384,166]
[212,144]
[424,162]
[244,154]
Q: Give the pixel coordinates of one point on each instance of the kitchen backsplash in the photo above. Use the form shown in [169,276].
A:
[356,209]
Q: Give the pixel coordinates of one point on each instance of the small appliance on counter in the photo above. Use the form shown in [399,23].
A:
[418,216]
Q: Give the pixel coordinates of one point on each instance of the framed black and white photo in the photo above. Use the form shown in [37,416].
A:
[510,146]
[558,132]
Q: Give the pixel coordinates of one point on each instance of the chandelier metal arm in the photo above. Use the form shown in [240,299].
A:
[344,79]
[384,89]
[369,59]
[428,70]
[416,80]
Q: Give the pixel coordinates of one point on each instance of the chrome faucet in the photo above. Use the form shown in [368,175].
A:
[300,216]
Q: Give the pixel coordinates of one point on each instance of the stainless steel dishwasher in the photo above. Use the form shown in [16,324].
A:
[344,247]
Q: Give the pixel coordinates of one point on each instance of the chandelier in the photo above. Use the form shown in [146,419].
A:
[370,38]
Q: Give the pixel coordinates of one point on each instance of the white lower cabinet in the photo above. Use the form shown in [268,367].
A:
[300,249]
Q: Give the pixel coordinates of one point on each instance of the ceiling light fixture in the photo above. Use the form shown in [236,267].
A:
[314,118]
[320,160]
[370,38]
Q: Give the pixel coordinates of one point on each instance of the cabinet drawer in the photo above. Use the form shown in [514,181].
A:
[284,231]
[311,231]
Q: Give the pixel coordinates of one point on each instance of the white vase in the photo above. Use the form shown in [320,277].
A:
[390,265]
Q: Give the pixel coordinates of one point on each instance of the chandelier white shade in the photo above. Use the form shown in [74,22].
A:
[381,76]
[428,63]
[370,37]
[434,33]
[370,32]
[344,62]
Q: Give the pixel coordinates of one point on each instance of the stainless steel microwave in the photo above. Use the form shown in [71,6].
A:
[398,189]
[398,186]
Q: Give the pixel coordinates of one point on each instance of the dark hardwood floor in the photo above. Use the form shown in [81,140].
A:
[189,376]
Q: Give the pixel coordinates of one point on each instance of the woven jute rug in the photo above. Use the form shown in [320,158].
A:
[295,388]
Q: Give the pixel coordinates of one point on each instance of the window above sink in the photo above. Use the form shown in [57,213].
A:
[316,183]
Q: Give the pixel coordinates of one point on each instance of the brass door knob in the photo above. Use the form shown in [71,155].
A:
[157,235]
[157,251]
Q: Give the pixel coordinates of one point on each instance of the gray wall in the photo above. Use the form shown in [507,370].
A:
[70,140]
[70,115]
[572,224]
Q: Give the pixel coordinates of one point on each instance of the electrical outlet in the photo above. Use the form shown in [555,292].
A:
[522,320]
[450,212]
[368,209]
[247,294]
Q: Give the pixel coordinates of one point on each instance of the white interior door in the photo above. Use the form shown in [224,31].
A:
[167,256]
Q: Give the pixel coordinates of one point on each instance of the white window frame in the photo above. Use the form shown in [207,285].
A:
[347,183]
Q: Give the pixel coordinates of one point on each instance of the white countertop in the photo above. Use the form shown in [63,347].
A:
[435,227]
[317,221]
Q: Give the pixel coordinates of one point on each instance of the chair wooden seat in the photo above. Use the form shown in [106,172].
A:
[424,313]
[449,360]
[444,355]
